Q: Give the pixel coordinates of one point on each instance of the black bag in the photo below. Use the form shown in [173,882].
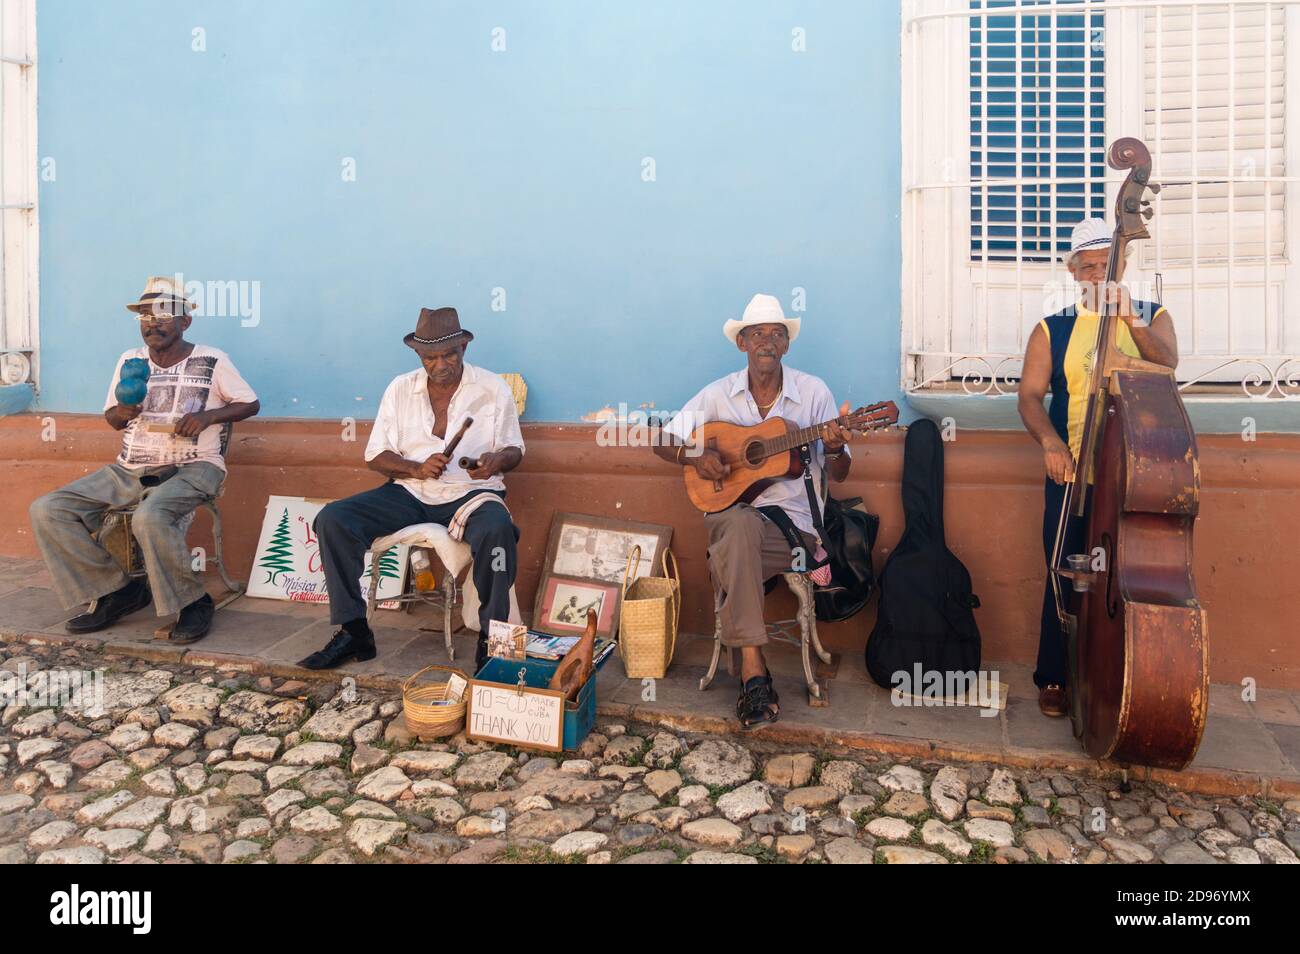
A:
[926,602]
[848,533]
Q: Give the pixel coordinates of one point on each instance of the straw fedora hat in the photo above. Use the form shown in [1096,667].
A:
[162,296]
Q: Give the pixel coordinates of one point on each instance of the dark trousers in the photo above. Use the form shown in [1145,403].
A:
[346,528]
[1052,665]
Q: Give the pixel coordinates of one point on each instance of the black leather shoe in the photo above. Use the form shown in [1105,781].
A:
[344,647]
[107,610]
[480,654]
[194,620]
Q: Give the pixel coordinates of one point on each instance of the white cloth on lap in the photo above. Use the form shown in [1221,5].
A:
[455,555]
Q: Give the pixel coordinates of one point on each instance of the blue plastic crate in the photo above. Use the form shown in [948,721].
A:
[579,716]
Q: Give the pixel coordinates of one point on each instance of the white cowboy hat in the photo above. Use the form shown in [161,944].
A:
[761,310]
[1088,235]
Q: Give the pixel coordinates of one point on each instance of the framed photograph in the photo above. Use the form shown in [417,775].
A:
[562,605]
[584,546]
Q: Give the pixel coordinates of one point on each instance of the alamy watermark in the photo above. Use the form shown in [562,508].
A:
[53,688]
[640,428]
[947,687]
[224,299]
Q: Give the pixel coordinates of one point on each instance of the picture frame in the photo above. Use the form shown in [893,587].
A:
[562,604]
[587,546]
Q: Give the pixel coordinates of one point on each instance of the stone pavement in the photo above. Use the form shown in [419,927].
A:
[1248,748]
[178,762]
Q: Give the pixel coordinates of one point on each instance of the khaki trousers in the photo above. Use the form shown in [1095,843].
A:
[745,549]
[65,521]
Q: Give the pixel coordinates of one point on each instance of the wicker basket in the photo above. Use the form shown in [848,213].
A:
[428,721]
[647,629]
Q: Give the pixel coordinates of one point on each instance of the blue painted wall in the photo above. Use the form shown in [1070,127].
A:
[474,170]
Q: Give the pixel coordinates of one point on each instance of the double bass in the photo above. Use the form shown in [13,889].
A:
[1136,635]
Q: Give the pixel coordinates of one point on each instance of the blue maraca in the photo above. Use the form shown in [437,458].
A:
[134,383]
[135,368]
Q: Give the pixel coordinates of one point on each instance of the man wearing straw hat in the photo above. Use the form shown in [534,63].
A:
[421,412]
[172,447]
[1058,358]
[745,546]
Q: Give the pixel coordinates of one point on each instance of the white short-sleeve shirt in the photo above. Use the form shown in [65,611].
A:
[805,400]
[205,380]
[404,425]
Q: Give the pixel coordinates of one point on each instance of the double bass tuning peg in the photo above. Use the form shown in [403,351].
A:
[1154,187]
[1147,211]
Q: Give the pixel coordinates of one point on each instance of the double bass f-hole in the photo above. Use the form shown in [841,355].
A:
[1108,551]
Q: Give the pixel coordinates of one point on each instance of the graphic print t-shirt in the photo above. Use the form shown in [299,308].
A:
[206,379]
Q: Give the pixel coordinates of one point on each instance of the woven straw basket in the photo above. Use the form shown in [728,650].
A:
[428,721]
[647,629]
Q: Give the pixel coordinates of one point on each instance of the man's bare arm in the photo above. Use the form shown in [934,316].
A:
[394,465]
[1158,341]
[1034,381]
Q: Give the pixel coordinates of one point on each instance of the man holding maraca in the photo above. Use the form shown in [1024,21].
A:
[172,400]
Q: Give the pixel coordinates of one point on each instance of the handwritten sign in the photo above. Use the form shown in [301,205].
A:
[529,718]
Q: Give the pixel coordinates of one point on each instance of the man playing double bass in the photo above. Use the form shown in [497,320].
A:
[1058,359]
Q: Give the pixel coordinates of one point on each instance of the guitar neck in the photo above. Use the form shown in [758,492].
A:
[792,439]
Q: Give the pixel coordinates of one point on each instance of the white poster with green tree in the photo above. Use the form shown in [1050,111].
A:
[287,564]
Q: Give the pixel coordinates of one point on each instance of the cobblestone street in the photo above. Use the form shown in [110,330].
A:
[186,764]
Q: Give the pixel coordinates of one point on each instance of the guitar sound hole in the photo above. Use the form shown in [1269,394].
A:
[754,453]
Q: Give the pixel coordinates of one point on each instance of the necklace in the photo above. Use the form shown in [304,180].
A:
[764,407]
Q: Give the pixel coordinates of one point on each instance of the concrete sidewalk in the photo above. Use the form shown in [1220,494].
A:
[1249,748]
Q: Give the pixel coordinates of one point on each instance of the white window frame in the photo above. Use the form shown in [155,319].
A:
[948,339]
[19,217]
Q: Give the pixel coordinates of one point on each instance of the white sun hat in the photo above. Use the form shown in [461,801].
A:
[761,310]
[1088,235]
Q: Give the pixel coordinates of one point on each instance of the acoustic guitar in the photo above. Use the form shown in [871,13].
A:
[764,453]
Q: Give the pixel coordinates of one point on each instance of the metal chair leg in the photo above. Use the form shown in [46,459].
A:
[717,652]
[448,602]
[234,590]
[373,591]
[807,628]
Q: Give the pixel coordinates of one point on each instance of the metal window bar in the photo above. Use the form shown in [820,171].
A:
[1221,281]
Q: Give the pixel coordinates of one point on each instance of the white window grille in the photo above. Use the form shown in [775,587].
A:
[1008,106]
[18,168]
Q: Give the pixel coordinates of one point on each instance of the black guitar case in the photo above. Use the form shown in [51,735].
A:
[926,604]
